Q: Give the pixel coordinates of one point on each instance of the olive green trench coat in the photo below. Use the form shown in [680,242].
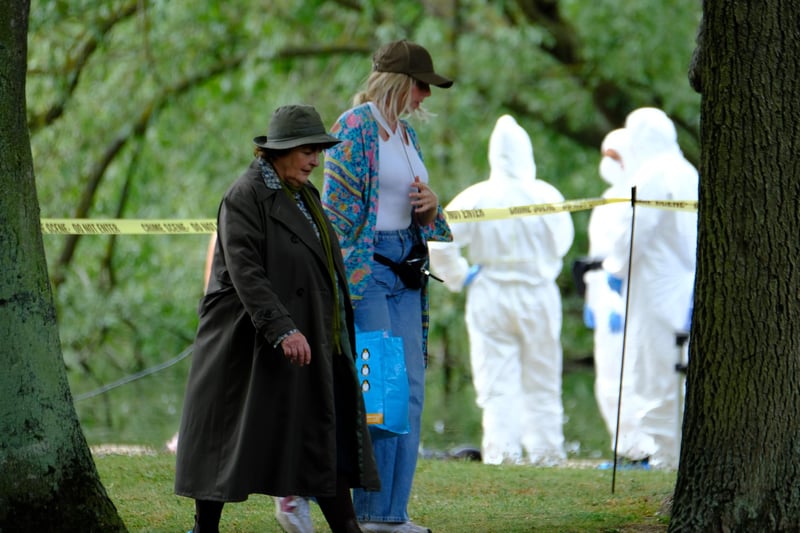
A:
[252,422]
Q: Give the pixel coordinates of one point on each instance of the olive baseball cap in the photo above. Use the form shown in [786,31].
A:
[408,58]
[295,125]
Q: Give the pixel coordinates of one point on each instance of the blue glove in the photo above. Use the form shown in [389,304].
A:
[471,275]
[615,322]
[615,283]
[688,325]
[588,317]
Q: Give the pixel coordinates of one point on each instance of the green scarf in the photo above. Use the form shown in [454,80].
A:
[325,238]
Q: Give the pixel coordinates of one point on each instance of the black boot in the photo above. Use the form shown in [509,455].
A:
[352,526]
[207,515]
[338,510]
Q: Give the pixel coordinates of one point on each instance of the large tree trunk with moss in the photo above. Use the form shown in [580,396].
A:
[48,481]
[740,467]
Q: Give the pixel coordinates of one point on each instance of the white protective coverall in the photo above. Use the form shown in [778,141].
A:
[661,274]
[513,308]
[605,305]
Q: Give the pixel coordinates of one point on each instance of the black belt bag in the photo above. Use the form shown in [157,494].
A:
[413,270]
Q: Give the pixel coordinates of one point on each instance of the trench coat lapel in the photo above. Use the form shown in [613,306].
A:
[285,212]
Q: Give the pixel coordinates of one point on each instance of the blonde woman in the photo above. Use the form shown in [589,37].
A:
[377,195]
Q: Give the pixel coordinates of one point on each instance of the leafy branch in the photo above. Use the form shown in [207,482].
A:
[77,61]
[136,128]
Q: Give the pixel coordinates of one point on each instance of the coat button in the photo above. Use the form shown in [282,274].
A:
[294,239]
[300,291]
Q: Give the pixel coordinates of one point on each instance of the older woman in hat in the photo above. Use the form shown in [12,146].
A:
[273,404]
[377,194]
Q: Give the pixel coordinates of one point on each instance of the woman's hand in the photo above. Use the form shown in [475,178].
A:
[296,349]
[424,202]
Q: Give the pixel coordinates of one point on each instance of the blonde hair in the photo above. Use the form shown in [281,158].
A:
[391,92]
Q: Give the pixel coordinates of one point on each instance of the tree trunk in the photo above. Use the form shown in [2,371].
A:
[48,481]
[740,467]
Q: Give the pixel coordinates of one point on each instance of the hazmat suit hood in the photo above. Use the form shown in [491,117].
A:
[652,132]
[510,151]
[615,172]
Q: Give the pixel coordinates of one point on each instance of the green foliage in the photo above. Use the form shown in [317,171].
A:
[147,110]
[448,496]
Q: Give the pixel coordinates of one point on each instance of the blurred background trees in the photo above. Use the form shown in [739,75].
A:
[147,108]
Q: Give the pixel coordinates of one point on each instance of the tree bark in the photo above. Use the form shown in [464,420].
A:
[739,468]
[49,481]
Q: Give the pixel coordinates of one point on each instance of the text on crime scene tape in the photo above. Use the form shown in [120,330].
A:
[79,226]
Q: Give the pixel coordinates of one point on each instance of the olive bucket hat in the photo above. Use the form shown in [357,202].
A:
[408,58]
[295,125]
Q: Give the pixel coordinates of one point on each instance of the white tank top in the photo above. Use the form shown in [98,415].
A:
[398,164]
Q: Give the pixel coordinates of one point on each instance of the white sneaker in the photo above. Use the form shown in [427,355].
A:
[293,514]
[393,527]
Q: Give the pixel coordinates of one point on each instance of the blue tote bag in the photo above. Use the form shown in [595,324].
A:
[384,384]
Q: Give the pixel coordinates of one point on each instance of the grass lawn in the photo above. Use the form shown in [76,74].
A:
[449,497]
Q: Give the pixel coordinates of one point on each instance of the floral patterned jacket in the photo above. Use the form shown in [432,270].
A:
[350,198]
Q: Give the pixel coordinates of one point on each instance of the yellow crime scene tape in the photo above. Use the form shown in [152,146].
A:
[124,226]
[500,213]
[674,205]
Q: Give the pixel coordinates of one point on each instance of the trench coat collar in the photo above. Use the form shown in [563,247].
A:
[284,211]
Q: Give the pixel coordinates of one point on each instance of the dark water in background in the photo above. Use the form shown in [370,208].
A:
[143,412]
[147,411]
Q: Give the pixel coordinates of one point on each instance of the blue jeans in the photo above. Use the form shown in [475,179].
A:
[388,304]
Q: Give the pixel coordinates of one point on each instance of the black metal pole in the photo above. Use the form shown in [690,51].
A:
[624,337]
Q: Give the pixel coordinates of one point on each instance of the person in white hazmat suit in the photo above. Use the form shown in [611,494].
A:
[513,305]
[662,273]
[604,308]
